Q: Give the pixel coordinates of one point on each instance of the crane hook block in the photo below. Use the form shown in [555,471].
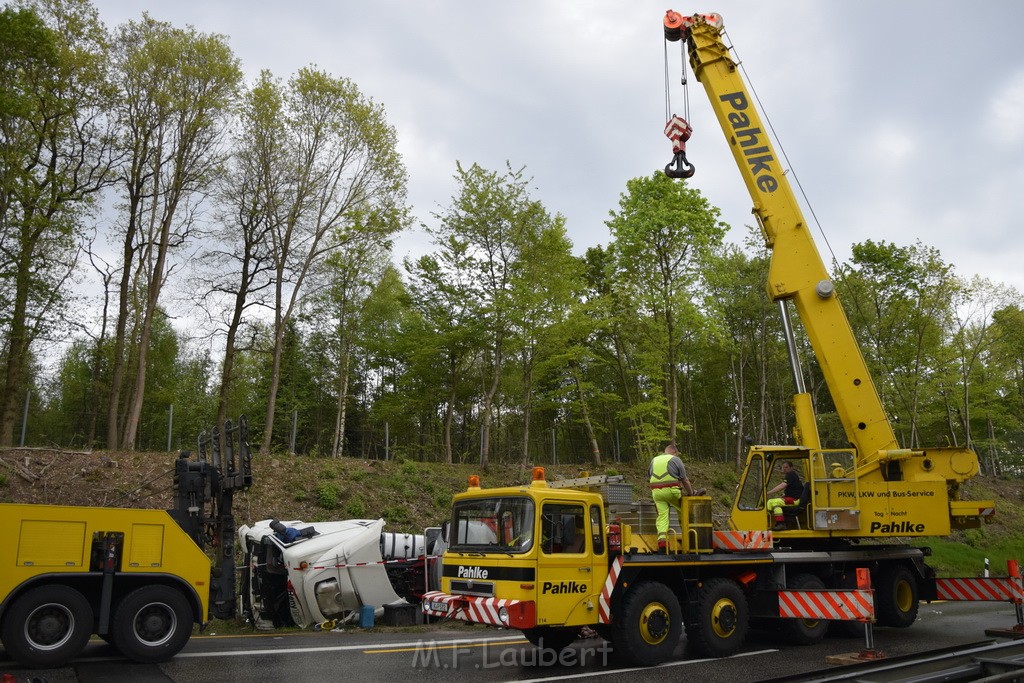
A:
[678,131]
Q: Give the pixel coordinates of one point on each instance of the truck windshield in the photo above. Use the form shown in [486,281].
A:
[499,524]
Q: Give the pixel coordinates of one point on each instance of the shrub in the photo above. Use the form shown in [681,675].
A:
[327,493]
[355,508]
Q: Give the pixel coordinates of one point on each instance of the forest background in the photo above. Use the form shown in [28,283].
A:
[178,247]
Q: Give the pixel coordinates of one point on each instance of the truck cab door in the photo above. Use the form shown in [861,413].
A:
[748,509]
[565,576]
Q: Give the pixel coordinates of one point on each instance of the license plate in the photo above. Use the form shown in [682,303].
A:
[436,606]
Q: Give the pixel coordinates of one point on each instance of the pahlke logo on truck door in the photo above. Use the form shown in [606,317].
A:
[563,587]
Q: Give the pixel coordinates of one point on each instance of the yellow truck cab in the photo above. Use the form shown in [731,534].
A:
[541,549]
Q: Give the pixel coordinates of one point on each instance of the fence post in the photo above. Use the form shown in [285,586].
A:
[295,426]
[170,425]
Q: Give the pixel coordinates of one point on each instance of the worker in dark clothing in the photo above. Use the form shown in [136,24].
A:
[791,488]
[668,479]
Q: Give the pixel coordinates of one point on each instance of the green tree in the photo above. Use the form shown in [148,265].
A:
[338,161]
[54,160]
[756,355]
[234,273]
[973,341]
[336,313]
[488,233]
[546,280]
[442,340]
[664,233]
[900,303]
[177,88]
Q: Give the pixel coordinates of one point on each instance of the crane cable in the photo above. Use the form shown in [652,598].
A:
[677,128]
[683,80]
[782,150]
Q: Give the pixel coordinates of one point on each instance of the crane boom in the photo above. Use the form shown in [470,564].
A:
[877,466]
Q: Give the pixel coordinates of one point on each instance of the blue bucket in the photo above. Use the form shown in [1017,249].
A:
[366,616]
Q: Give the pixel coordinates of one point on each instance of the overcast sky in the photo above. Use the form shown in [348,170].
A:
[901,120]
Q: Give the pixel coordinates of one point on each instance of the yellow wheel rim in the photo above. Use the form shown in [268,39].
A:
[654,623]
[723,618]
[904,596]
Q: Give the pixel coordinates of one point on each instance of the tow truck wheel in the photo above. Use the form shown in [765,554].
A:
[647,624]
[721,619]
[806,631]
[152,624]
[47,626]
[896,599]
[555,638]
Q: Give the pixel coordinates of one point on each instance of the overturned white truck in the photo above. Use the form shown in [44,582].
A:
[302,574]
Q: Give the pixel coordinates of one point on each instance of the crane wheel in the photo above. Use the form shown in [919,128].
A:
[805,631]
[896,597]
[647,625]
[721,619]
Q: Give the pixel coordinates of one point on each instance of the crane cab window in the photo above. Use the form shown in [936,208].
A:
[596,530]
[563,530]
[752,492]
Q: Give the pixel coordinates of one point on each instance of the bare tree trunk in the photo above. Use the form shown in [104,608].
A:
[97,363]
[738,388]
[339,425]
[17,357]
[275,382]
[488,406]
[527,412]
[449,419]
[595,449]
[156,282]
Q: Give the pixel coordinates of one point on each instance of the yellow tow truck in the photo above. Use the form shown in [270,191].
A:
[137,578]
[550,559]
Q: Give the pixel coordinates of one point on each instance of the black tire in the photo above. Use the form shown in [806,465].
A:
[896,599]
[805,631]
[647,624]
[152,624]
[47,627]
[721,619]
[555,638]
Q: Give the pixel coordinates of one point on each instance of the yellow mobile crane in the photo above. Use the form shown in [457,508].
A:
[551,557]
[875,488]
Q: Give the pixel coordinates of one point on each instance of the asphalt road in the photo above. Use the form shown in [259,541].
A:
[479,653]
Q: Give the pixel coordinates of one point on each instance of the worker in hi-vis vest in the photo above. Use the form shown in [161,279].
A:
[668,480]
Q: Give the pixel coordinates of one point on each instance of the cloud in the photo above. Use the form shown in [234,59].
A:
[1006,112]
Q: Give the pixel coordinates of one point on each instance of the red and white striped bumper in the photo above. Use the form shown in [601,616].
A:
[494,611]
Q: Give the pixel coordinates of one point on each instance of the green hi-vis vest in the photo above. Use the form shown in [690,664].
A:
[659,469]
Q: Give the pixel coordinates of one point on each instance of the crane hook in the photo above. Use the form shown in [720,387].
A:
[678,131]
[682,167]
